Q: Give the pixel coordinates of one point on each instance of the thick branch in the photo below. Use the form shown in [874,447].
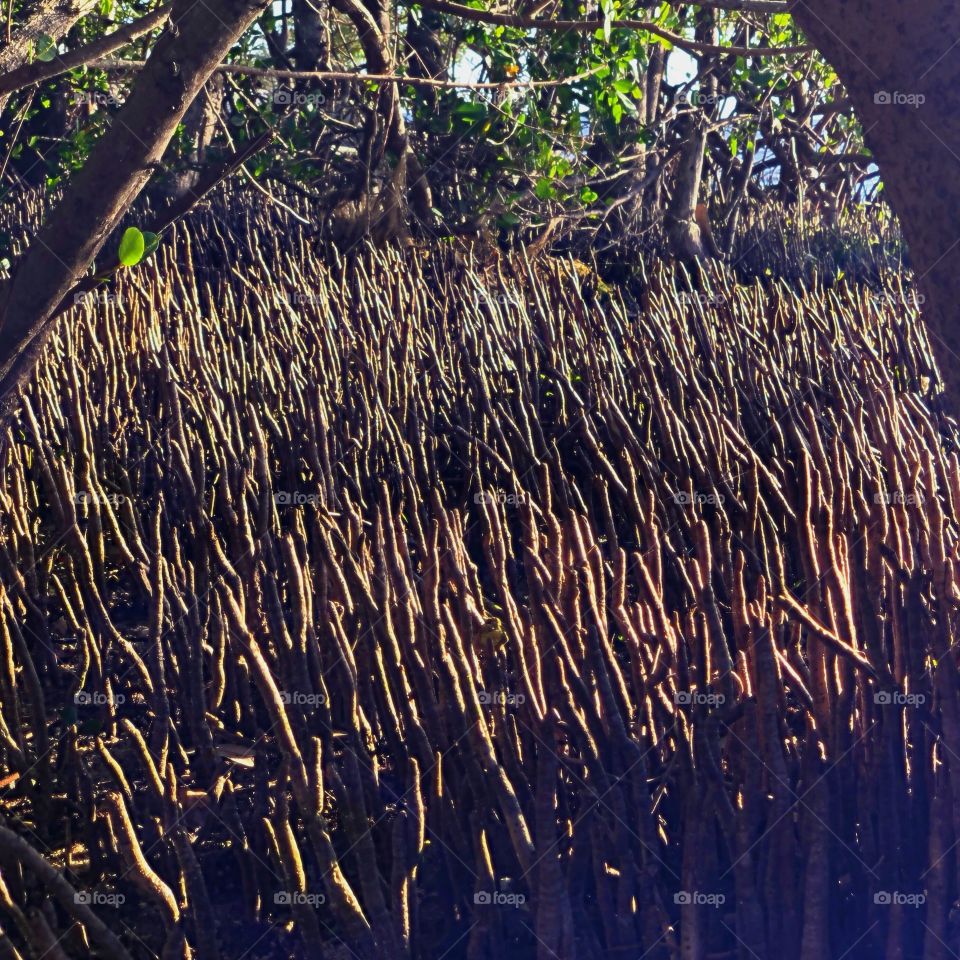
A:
[46,18]
[246,71]
[37,72]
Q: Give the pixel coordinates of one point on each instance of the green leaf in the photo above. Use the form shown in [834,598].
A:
[544,189]
[627,102]
[150,242]
[587,195]
[132,247]
[471,111]
[44,48]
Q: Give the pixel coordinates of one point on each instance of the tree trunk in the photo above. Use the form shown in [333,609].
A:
[683,231]
[311,49]
[387,131]
[199,126]
[900,65]
[198,36]
[650,206]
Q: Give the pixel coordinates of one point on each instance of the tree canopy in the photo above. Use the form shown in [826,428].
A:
[558,113]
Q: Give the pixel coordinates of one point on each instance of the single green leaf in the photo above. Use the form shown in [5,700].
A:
[150,242]
[44,48]
[544,189]
[627,102]
[132,246]
[471,111]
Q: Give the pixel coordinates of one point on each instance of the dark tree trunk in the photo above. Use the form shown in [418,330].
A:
[425,57]
[199,123]
[687,240]
[900,64]
[652,111]
[386,131]
[311,49]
